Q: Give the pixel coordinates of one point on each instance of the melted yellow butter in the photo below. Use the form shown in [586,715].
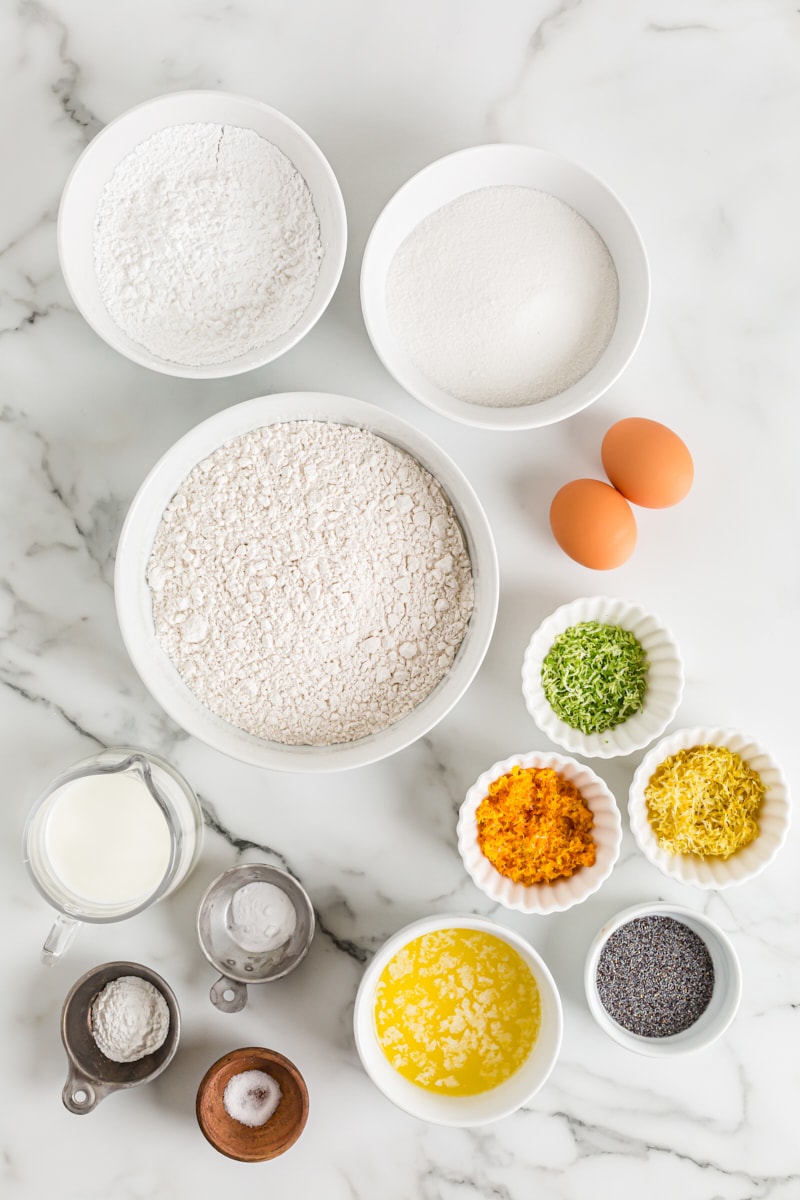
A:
[457,1011]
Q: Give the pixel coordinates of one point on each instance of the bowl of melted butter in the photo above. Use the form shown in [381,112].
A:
[457,1020]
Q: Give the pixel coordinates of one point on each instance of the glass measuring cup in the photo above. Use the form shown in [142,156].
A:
[108,838]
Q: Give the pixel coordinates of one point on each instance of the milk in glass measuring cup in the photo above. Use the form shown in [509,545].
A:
[110,837]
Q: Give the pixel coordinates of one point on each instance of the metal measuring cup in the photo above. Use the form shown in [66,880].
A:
[91,1076]
[240,967]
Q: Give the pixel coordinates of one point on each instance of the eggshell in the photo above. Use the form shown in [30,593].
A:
[593,524]
[647,462]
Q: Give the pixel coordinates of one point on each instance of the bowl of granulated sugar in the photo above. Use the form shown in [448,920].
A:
[306,583]
[202,234]
[505,287]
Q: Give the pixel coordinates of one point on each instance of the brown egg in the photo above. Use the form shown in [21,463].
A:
[593,524]
[647,462]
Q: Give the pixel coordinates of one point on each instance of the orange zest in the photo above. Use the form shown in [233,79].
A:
[535,827]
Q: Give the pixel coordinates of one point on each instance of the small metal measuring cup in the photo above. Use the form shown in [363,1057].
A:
[91,1076]
[239,967]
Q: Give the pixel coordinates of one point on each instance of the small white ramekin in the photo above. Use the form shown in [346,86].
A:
[460,1111]
[664,677]
[724,1001]
[773,819]
[96,165]
[543,897]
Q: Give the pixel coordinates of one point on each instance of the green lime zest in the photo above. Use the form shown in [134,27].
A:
[595,676]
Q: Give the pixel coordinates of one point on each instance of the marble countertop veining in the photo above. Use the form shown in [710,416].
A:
[689,112]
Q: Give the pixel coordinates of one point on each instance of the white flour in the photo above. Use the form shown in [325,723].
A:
[310,583]
[505,296]
[130,1019]
[206,244]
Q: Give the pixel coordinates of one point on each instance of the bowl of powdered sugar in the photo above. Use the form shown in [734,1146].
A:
[202,234]
[505,287]
[306,583]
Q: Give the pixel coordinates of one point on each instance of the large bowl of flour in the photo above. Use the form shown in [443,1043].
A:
[505,287]
[306,583]
[202,234]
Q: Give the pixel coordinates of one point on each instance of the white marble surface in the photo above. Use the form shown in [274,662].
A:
[689,111]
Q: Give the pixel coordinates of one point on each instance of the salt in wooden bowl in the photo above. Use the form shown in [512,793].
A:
[244,1142]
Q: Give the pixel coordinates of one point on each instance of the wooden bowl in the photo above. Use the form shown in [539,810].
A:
[261,1142]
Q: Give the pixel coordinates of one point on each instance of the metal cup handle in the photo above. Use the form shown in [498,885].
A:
[81,1095]
[228,995]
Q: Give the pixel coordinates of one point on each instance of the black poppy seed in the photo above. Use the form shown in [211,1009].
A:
[655,976]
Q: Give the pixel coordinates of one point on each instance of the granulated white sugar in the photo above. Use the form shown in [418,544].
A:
[206,244]
[505,296]
[310,582]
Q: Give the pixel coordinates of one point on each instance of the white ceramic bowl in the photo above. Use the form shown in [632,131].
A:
[724,1001]
[133,599]
[462,1111]
[487,166]
[664,677]
[773,820]
[97,163]
[543,897]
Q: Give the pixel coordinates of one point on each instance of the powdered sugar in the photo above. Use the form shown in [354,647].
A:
[310,583]
[505,296]
[206,244]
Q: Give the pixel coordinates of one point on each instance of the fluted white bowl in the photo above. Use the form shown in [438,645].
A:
[773,819]
[664,677]
[543,897]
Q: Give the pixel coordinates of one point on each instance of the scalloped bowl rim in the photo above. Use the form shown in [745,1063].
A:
[709,873]
[564,893]
[638,730]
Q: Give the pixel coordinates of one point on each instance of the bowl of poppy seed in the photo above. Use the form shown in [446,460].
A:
[602,677]
[661,979]
[539,832]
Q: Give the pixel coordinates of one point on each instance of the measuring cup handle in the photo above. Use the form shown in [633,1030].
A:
[228,995]
[80,1095]
[61,934]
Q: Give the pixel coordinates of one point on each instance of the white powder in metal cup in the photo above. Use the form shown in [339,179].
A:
[310,583]
[506,296]
[261,917]
[206,244]
[130,1018]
